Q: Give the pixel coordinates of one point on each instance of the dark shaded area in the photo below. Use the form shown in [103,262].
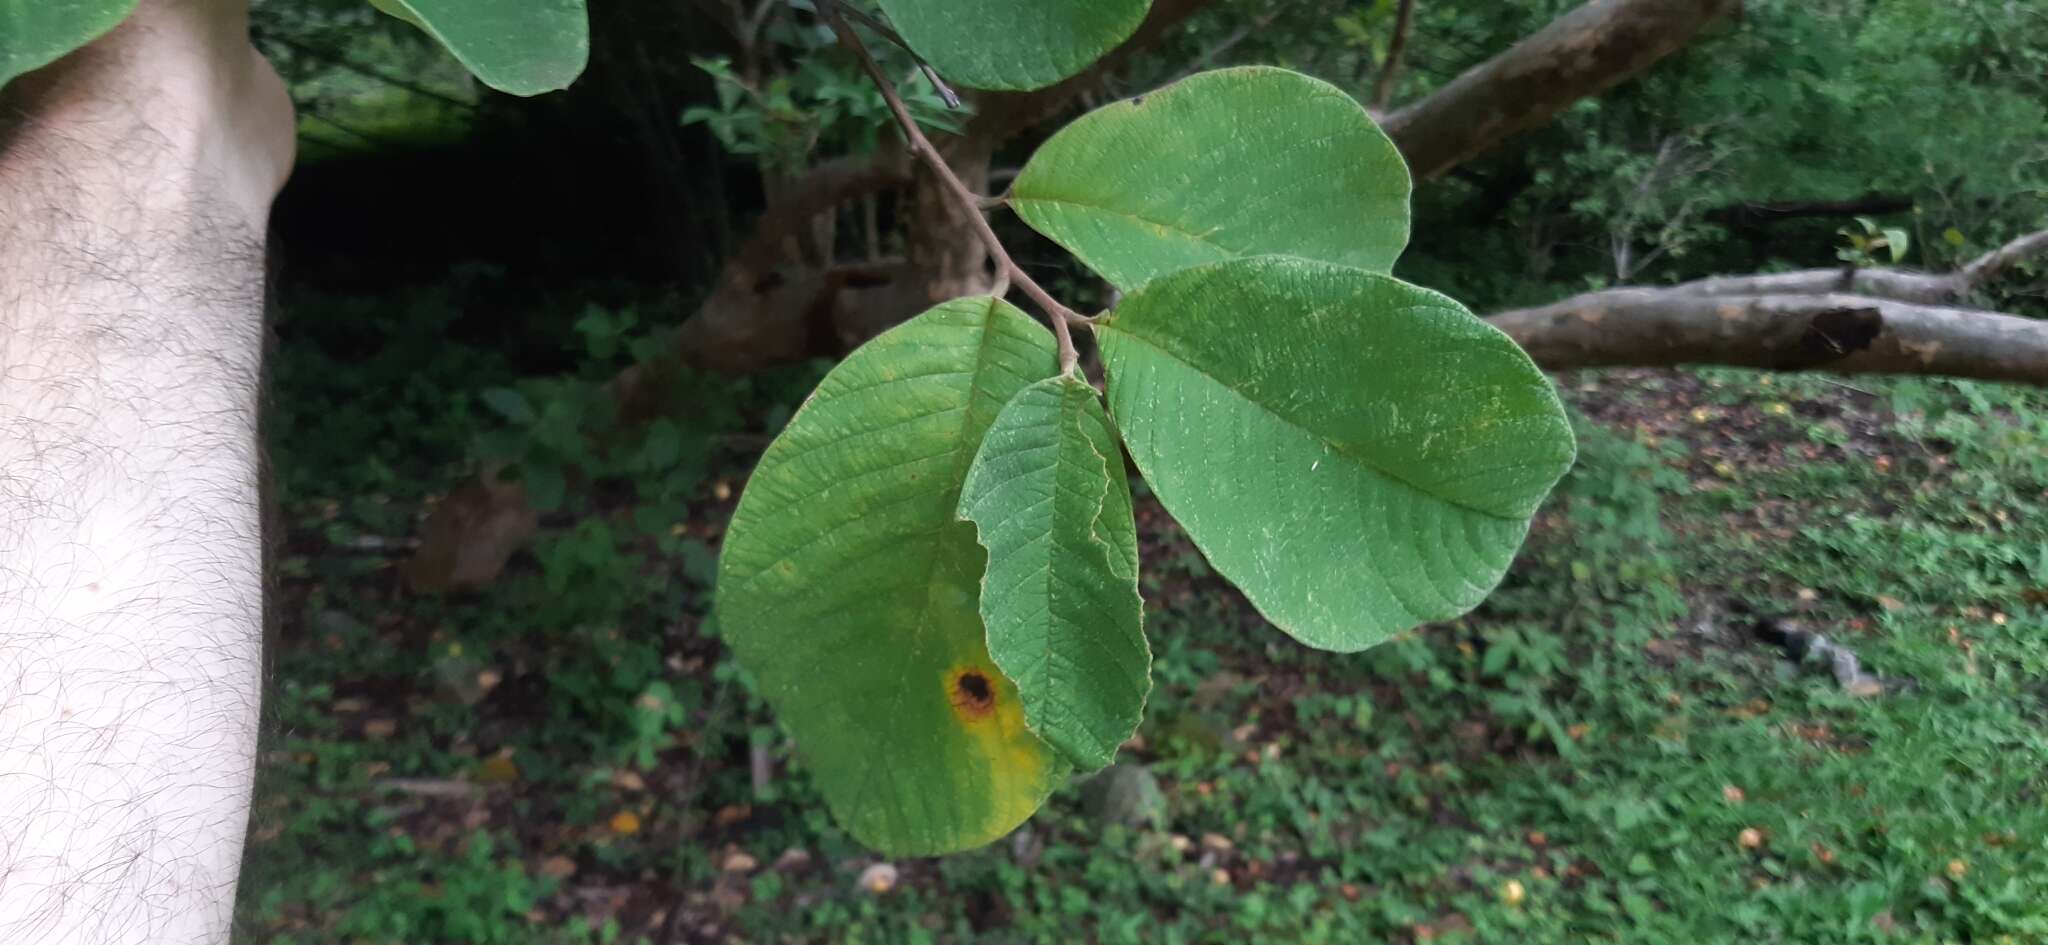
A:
[1832,335]
[973,694]
[600,182]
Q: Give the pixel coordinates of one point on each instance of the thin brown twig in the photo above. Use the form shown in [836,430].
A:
[883,30]
[1383,90]
[964,199]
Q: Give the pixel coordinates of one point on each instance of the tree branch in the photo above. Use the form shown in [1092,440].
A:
[1993,264]
[1383,88]
[1582,53]
[1856,334]
[1903,285]
[820,188]
[763,305]
[964,200]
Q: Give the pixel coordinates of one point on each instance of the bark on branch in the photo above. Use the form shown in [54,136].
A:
[762,308]
[1383,87]
[1903,285]
[1996,263]
[1585,52]
[1784,332]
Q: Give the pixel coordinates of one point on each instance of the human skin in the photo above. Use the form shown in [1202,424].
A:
[135,179]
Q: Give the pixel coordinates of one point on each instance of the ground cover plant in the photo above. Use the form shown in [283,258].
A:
[1606,748]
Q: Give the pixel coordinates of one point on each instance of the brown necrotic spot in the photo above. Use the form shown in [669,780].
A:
[972,693]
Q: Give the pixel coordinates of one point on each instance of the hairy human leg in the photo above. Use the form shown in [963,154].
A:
[135,178]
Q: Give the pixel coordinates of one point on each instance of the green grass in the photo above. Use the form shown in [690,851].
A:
[1602,752]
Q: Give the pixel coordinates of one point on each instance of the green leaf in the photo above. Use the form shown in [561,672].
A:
[1239,162]
[1357,454]
[35,33]
[1049,497]
[1898,241]
[510,404]
[546,486]
[524,47]
[1014,45]
[851,591]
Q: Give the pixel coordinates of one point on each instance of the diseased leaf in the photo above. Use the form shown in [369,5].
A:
[522,47]
[851,591]
[1357,454]
[35,33]
[1061,597]
[1237,162]
[1014,44]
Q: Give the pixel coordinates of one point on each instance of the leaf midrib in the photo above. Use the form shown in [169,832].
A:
[1073,719]
[1177,228]
[1066,432]
[1332,445]
[924,635]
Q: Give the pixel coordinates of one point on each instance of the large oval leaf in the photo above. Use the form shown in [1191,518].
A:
[1238,162]
[850,590]
[1357,454]
[1048,495]
[1014,44]
[35,33]
[524,47]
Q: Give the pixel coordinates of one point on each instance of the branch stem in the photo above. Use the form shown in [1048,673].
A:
[964,199]
[1383,89]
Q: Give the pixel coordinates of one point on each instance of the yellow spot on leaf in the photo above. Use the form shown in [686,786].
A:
[1019,764]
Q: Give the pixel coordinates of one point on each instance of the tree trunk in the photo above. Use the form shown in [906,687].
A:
[944,248]
[944,259]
